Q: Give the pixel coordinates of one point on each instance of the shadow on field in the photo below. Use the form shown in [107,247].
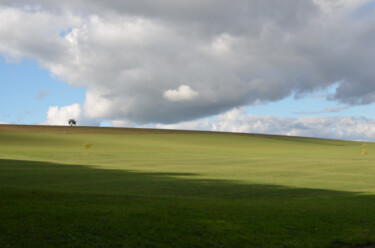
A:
[56,205]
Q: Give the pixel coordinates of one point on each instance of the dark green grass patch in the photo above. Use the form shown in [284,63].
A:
[54,205]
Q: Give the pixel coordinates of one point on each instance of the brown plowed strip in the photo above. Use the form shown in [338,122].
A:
[83,130]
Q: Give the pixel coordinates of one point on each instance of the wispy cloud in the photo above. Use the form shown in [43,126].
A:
[318,95]
[325,110]
[42,94]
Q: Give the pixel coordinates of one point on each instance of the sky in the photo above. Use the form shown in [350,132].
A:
[286,67]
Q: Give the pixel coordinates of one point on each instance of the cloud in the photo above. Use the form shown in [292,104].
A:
[334,109]
[182,94]
[130,54]
[325,110]
[319,95]
[42,94]
[60,115]
[120,123]
[236,120]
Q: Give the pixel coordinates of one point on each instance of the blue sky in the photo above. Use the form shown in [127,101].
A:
[311,105]
[28,91]
[166,65]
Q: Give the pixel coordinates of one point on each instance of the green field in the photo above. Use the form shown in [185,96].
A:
[160,188]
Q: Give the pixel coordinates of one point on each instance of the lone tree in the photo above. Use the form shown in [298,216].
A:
[72,122]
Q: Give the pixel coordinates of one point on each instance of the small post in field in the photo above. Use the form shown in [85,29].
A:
[364,151]
[87,146]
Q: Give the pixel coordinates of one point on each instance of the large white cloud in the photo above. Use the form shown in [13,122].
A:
[61,115]
[129,54]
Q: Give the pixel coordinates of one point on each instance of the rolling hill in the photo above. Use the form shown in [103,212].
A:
[168,188]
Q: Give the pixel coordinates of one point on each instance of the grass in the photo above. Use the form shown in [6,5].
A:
[157,188]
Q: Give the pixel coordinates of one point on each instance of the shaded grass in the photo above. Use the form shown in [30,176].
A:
[54,205]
